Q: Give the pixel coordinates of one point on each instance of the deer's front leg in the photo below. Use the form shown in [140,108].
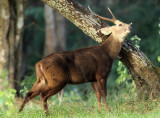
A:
[97,92]
[101,81]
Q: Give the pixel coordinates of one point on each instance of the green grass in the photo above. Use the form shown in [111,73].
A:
[122,105]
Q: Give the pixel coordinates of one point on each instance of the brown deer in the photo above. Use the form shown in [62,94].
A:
[92,64]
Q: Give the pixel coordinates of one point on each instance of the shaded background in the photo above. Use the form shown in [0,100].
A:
[144,14]
[45,31]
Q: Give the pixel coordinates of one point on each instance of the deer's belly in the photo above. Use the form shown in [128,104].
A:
[81,78]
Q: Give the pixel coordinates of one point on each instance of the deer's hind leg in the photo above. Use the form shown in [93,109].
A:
[50,91]
[31,94]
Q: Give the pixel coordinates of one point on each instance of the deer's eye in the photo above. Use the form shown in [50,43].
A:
[120,24]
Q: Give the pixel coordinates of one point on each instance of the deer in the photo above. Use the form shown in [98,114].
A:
[91,64]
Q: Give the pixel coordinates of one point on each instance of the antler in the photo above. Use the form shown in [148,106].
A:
[103,18]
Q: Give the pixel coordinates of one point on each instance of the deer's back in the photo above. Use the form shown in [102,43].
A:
[77,66]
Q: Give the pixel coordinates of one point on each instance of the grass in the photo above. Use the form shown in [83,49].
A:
[122,105]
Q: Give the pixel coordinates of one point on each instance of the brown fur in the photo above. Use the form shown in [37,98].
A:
[91,64]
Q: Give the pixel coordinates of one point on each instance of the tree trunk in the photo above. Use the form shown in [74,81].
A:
[11,25]
[50,31]
[4,27]
[145,74]
[55,40]
[55,32]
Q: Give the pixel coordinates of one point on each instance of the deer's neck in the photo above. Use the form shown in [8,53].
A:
[112,46]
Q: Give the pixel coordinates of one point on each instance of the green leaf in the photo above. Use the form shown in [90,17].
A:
[158,58]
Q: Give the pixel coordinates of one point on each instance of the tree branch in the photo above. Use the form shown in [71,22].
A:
[79,16]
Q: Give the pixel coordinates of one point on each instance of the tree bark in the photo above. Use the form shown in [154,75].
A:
[55,31]
[50,31]
[4,27]
[145,74]
[61,32]
[18,43]
[11,31]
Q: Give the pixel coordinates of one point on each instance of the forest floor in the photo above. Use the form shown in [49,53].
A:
[121,106]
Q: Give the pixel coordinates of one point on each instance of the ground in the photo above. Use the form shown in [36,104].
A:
[121,106]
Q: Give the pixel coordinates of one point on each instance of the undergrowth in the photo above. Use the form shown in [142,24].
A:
[122,105]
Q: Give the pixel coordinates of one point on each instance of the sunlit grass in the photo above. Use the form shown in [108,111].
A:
[122,105]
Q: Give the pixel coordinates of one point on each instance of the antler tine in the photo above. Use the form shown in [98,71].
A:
[103,18]
[114,18]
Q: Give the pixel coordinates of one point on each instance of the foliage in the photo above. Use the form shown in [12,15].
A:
[158,58]
[122,105]
[27,84]
[124,79]
[3,74]
[136,40]
[7,95]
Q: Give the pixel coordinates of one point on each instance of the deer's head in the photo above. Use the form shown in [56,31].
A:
[119,31]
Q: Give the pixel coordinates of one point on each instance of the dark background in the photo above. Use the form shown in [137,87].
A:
[144,15]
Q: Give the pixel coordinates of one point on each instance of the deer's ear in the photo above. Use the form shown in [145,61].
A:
[105,31]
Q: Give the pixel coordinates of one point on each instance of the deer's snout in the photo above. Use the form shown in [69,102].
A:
[129,28]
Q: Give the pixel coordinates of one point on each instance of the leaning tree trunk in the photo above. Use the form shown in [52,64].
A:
[145,74]
[55,40]
[11,30]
